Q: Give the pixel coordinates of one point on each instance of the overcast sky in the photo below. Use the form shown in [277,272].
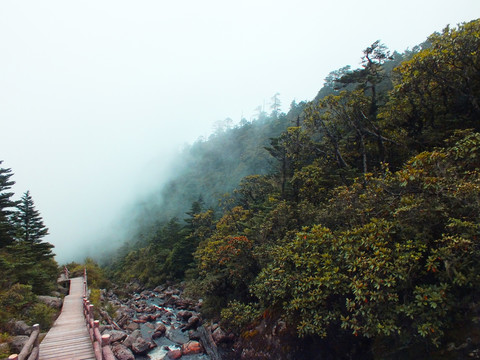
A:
[96,96]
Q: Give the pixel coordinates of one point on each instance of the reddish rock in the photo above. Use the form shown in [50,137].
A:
[174,354]
[191,348]
[161,328]
[151,317]
[159,331]
[184,315]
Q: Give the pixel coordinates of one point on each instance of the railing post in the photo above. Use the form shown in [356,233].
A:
[30,349]
[97,340]
[85,293]
[106,349]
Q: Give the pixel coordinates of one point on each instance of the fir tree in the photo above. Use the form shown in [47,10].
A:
[6,207]
[30,228]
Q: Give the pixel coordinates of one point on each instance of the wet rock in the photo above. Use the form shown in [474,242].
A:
[174,354]
[150,309]
[184,315]
[159,331]
[115,335]
[194,335]
[192,348]
[133,326]
[17,343]
[176,336]
[131,338]
[186,304]
[192,323]
[150,325]
[142,346]
[121,352]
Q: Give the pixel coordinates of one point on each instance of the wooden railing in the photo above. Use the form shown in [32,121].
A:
[66,272]
[101,343]
[31,348]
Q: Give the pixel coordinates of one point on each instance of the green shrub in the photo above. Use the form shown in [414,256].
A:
[14,301]
[236,316]
[41,314]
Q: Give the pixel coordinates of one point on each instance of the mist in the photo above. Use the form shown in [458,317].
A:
[97,99]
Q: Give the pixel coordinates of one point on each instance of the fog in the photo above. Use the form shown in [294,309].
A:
[97,97]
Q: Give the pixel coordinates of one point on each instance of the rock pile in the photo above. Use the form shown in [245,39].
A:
[163,321]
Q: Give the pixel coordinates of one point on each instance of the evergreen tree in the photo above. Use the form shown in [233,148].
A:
[6,207]
[31,229]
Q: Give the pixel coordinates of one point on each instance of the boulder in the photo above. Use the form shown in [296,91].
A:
[174,354]
[131,338]
[185,304]
[184,315]
[194,335]
[121,352]
[122,311]
[219,336]
[159,331]
[132,326]
[192,348]
[142,346]
[115,335]
[176,335]
[17,343]
[193,323]
[18,327]
[52,301]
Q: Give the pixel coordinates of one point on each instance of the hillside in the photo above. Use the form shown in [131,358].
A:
[351,222]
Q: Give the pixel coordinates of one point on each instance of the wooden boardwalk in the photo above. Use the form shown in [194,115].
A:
[68,339]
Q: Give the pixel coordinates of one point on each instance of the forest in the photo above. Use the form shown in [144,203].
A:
[347,227]
[27,264]
[353,219]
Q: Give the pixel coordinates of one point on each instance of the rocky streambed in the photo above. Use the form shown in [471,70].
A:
[161,324]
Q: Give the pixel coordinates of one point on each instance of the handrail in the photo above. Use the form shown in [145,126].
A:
[31,348]
[66,272]
[85,288]
[101,343]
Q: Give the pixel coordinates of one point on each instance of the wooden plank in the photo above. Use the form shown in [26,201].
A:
[69,339]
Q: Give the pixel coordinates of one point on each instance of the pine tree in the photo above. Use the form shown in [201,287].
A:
[6,207]
[30,228]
